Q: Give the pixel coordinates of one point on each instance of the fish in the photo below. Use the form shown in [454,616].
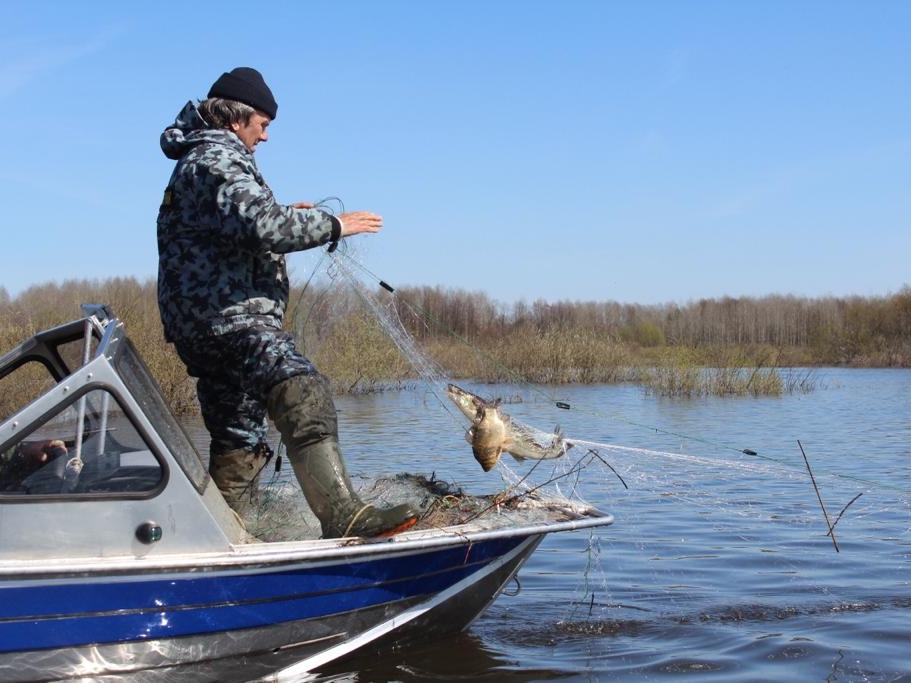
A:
[492,432]
[488,435]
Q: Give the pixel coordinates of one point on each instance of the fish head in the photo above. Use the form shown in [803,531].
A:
[467,402]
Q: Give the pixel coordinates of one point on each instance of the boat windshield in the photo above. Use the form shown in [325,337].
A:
[144,389]
[88,446]
[90,441]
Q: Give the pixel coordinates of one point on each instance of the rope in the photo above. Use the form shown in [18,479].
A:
[431,320]
[354,519]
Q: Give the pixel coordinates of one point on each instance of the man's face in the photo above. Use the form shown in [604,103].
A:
[254,131]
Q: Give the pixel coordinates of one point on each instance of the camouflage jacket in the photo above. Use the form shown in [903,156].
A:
[222,236]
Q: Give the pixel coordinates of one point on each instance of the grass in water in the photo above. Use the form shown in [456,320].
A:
[680,373]
[333,329]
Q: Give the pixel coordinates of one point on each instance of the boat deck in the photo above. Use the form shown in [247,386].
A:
[283,514]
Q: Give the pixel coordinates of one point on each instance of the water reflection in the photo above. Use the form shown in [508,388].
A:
[464,657]
[718,563]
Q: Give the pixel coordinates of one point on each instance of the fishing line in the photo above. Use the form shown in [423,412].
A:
[734,510]
[515,377]
[333,206]
[431,320]
[389,318]
[518,379]
[391,323]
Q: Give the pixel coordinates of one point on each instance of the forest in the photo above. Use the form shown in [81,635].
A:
[710,346]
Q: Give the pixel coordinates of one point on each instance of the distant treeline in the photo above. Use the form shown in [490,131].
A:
[853,331]
[472,336]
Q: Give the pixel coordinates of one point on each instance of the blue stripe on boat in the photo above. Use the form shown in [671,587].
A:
[89,612]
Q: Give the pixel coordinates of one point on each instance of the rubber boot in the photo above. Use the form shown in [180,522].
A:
[302,409]
[236,474]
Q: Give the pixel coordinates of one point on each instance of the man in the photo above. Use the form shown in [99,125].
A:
[222,293]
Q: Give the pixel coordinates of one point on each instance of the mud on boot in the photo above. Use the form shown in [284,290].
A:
[236,474]
[304,413]
[320,470]
[371,522]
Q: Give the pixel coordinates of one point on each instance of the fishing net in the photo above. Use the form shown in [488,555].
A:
[556,477]
[772,504]
[686,506]
[283,514]
[532,491]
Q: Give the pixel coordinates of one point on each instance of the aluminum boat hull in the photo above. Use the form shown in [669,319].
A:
[243,621]
[120,560]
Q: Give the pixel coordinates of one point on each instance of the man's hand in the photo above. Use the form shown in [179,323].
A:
[36,453]
[357,222]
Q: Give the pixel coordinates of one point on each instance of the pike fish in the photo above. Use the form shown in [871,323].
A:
[492,432]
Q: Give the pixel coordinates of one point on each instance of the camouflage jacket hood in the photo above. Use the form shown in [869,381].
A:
[222,236]
[188,130]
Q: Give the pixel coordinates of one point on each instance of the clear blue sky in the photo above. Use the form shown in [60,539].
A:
[641,152]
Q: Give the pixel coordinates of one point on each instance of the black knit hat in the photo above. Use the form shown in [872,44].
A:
[245,85]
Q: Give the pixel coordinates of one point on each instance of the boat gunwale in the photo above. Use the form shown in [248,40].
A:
[268,556]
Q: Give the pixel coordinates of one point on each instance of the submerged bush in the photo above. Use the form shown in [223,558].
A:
[553,355]
[680,375]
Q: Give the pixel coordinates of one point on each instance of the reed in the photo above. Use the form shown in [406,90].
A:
[681,374]
[357,356]
[555,356]
[471,337]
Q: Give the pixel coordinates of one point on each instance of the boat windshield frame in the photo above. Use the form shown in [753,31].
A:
[112,363]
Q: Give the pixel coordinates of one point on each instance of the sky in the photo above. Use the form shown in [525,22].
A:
[642,152]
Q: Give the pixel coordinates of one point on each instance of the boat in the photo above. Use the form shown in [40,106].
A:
[120,560]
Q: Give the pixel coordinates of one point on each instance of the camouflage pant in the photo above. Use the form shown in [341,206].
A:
[235,372]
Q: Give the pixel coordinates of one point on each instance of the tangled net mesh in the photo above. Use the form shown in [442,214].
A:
[547,492]
[282,513]
[608,471]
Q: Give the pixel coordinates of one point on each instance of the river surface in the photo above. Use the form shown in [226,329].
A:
[718,566]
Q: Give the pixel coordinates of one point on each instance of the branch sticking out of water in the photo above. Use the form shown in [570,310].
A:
[850,503]
[595,454]
[819,497]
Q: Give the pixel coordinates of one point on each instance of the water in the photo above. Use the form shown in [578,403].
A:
[718,564]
